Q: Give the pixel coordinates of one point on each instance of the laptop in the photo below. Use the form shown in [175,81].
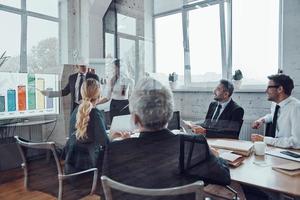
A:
[122,123]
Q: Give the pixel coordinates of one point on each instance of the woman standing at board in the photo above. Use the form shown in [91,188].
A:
[119,89]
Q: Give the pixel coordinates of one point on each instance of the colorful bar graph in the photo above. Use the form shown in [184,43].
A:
[40,85]
[11,100]
[21,97]
[49,100]
[2,103]
[31,92]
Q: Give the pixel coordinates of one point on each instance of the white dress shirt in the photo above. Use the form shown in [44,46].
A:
[223,106]
[123,83]
[287,134]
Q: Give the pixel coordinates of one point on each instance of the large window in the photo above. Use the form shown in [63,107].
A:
[169,45]
[219,37]
[255,37]
[30,39]
[205,44]
[10,41]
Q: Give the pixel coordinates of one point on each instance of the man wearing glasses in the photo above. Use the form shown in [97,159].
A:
[285,114]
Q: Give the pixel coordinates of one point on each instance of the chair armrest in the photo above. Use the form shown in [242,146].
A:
[64,176]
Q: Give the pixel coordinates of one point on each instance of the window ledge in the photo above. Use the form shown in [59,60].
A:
[246,89]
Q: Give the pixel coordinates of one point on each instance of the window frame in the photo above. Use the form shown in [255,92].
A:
[24,13]
[226,43]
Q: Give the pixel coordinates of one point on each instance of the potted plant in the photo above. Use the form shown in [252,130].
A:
[3,58]
[237,78]
[173,80]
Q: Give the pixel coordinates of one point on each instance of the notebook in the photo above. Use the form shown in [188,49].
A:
[237,146]
[291,169]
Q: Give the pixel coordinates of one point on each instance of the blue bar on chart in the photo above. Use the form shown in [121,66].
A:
[2,103]
[49,100]
[11,100]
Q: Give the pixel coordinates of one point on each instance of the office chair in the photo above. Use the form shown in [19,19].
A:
[61,176]
[174,123]
[190,144]
[107,184]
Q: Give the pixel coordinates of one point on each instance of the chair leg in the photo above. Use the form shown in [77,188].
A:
[94,185]
[60,188]
[24,166]
[234,192]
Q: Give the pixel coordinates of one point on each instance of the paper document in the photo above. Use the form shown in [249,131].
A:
[234,145]
[188,123]
[230,156]
[291,169]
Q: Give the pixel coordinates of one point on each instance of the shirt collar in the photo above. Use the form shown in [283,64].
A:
[285,102]
[224,104]
[84,74]
[155,134]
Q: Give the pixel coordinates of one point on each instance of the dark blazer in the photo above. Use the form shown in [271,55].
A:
[152,161]
[229,122]
[70,87]
[86,153]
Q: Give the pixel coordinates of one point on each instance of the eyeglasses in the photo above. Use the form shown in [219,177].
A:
[273,86]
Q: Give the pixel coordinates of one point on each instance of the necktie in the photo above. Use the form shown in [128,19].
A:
[217,113]
[274,123]
[79,87]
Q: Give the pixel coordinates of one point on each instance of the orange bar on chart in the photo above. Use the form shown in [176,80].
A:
[21,97]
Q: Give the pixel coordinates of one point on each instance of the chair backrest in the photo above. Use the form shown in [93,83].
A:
[174,123]
[188,145]
[38,145]
[196,187]
[241,124]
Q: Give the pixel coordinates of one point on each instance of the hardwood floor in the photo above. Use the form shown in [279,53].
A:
[43,185]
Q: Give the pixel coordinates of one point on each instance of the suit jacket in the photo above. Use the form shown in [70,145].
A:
[152,161]
[229,122]
[70,87]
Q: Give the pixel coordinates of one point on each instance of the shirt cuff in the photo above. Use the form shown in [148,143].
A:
[269,140]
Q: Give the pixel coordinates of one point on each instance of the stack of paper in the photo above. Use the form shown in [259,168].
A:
[237,146]
[291,169]
[232,159]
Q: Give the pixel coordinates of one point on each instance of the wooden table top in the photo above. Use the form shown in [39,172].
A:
[257,171]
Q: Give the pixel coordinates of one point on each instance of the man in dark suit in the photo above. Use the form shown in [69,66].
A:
[152,159]
[73,86]
[224,117]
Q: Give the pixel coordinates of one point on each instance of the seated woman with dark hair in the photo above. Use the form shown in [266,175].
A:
[151,160]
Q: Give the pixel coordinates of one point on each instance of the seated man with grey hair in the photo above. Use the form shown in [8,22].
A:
[152,159]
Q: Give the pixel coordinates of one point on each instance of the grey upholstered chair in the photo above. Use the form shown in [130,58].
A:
[61,176]
[196,187]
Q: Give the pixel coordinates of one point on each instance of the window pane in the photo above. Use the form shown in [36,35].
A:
[46,7]
[255,39]
[10,41]
[205,44]
[109,45]
[126,24]
[12,3]
[169,46]
[127,56]
[42,46]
